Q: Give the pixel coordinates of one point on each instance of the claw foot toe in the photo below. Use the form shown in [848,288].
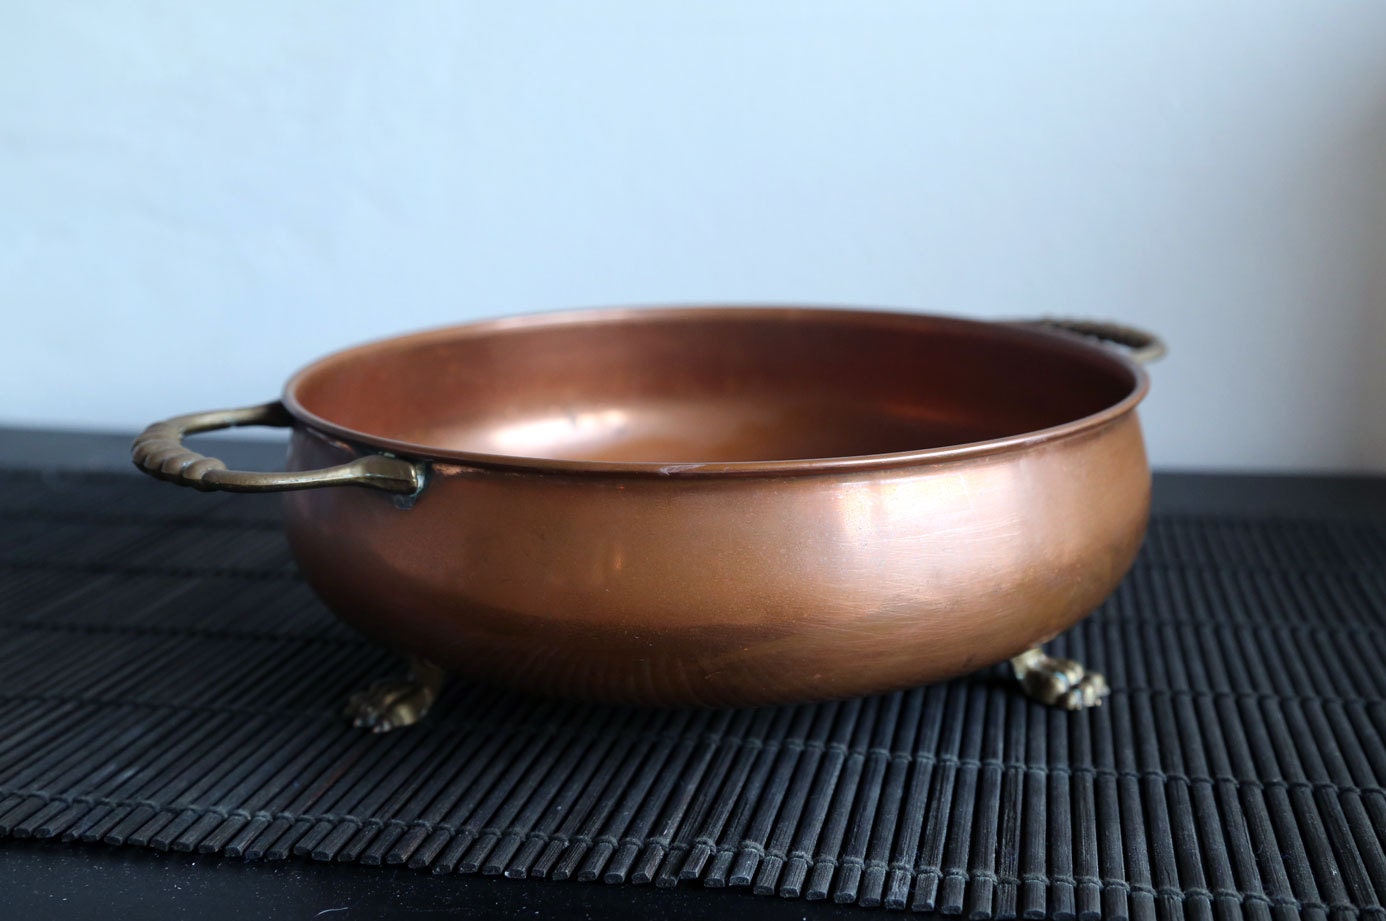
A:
[388,705]
[1059,682]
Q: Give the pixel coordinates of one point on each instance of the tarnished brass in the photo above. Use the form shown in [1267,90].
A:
[399,702]
[1059,682]
[159,452]
[1144,347]
[721,506]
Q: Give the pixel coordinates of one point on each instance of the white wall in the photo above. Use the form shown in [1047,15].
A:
[196,198]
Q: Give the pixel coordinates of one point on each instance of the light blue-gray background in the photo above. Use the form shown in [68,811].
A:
[196,198]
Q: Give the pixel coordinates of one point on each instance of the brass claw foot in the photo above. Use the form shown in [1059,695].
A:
[396,702]
[1059,682]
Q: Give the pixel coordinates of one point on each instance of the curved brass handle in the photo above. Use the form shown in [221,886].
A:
[1145,347]
[159,452]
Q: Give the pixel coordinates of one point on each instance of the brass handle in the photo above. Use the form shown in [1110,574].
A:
[1145,347]
[159,452]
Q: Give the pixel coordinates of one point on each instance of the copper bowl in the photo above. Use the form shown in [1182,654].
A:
[719,506]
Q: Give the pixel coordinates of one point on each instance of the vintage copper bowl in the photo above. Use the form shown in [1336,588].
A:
[708,505]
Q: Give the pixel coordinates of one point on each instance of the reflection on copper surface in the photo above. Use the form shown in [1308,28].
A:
[569,432]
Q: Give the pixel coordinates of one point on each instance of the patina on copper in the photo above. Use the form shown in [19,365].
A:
[720,506]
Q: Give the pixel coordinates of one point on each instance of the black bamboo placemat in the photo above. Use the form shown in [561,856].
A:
[168,682]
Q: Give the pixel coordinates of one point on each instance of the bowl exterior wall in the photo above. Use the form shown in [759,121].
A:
[735,590]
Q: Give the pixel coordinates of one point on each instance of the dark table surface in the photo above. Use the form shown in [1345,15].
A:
[80,881]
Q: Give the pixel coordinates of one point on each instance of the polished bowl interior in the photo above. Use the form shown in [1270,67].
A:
[725,386]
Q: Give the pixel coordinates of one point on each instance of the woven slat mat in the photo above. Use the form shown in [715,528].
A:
[170,683]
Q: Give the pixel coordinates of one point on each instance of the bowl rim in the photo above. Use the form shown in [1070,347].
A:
[1018,330]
